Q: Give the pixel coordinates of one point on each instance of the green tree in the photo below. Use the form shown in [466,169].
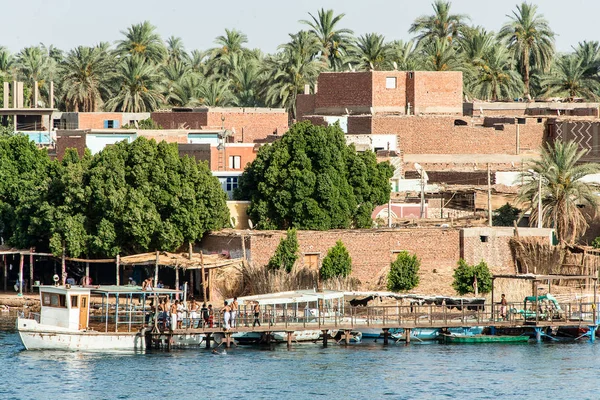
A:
[465,276]
[494,77]
[506,215]
[138,87]
[141,40]
[310,179]
[334,42]
[530,39]
[404,272]
[370,52]
[440,25]
[336,263]
[563,190]
[286,252]
[596,243]
[86,72]
[570,78]
[440,55]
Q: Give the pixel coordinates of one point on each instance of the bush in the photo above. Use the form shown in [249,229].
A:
[337,262]
[505,215]
[596,243]
[144,124]
[286,253]
[404,272]
[464,276]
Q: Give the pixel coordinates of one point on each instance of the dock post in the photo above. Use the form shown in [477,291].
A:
[325,335]
[407,333]
[386,334]
[593,333]
[207,340]
[538,334]
[289,340]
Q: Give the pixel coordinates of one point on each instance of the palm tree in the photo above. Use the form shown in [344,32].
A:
[142,40]
[187,92]
[216,93]
[290,69]
[173,73]
[568,78]
[530,39]
[589,53]
[371,52]
[137,87]
[175,50]
[34,65]
[230,44]
[86,72]
[405,55]
[440,55]
[245,83]
[6,63]
[440,25]
[563,191]
[495,77]
[334,42]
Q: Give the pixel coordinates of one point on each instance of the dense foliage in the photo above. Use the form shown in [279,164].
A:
[337,262]
[464,278]
[564,192]
[404,272]
[141,71]
[129,198]
[505,215]
[310,179]
[286,252]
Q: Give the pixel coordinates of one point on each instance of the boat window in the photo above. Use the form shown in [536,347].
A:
[74,301]
[54,300]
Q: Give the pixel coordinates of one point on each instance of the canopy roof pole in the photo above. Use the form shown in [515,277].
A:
[21,274]
[31,251]
[117,264]
[177,282]
[156,269]
[63,265]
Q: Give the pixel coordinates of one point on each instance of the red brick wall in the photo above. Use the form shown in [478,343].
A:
[64,142]
[305,105]
[360,125]
[393,99]
[437,92]
[247,154]
[173,120]
[250,127]
[96,120]
[315,120]
[438,135]
[339,90]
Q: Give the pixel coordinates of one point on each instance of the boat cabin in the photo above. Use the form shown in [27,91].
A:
[65,307]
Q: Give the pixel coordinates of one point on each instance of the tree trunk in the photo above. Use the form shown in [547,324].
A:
[526,73]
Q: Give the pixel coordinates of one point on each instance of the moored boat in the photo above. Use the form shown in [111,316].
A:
[66,322]
[475,339]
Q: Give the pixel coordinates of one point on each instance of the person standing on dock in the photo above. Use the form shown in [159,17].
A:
[211,316]
[234,311]
[173,312]
[205,315]
[503,307]
[256,315]
[226,310]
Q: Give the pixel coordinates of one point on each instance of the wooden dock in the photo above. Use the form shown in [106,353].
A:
[283,320]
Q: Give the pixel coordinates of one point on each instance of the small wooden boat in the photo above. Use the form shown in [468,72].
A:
[468,339]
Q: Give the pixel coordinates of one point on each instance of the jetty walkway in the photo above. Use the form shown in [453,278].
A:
[538,317]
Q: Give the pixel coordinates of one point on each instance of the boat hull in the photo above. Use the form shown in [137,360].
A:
[35,336]
[476,339]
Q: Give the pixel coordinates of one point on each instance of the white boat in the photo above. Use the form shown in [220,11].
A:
[66,323]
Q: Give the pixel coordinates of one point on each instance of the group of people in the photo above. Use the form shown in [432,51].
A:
[176,315]
[230,314]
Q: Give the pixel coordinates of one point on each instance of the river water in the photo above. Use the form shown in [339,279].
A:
[363,371]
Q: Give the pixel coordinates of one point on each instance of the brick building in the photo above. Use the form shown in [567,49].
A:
[247,125]
[372,250]
[96,120]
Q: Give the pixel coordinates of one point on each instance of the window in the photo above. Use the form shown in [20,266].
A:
[311,261]
[484,239]
[111,123]
[390,82]
[235,162]
[231,183]
[74,301]
[54,300]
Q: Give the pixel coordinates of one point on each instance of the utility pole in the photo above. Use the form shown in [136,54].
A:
[489,199]
[422,195]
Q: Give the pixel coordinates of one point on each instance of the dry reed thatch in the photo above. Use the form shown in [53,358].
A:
[247,280]
[532,256]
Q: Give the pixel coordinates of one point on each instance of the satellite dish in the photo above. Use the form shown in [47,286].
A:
[250,224]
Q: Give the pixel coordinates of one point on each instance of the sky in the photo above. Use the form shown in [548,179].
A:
[267,23]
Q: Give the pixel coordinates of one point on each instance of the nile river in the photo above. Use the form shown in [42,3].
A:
[365,371]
